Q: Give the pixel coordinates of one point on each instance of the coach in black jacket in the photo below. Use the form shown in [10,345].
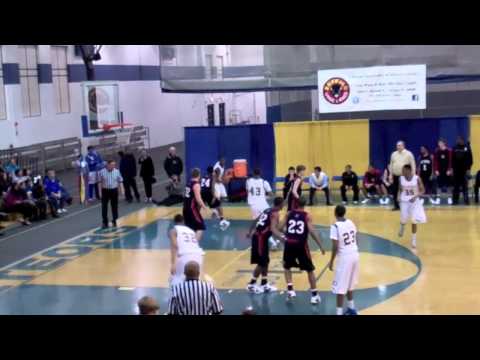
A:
[173,164]
[128,170]
[462,161]
[147,173]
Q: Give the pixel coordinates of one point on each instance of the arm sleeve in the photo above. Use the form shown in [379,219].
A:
[412,161]
[390,164]
[217,307]
[469,158]
[267,186]
[325,181]
[311,182]
[172,309]
[180,166]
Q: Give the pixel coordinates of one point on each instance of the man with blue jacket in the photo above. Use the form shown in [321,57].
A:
[57,195]
[95,164]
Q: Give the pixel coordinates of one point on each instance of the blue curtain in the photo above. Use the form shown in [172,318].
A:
[255,143]
[384,135]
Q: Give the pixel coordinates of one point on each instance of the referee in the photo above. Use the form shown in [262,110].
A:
[111,181]
[193,296]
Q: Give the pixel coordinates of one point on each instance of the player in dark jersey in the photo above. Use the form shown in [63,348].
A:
[261,230]
[298,227]
[288,181]
[442,165]
[425,171]
[210,198]
[193,204]
[296,189]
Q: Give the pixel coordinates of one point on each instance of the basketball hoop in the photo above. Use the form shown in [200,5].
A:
[122,131]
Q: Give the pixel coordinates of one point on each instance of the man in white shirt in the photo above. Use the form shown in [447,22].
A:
[398,160]
[183,249]
[257,190]
[319,181]
[344,243]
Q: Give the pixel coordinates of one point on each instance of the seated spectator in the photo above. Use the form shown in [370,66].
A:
[56,193]
[319,181]
[39,196]
[287,183]
[387,187]
[349,182]
[372,184]
[11,166]
[148,306]
[4,182]
[174,191]
[17,201]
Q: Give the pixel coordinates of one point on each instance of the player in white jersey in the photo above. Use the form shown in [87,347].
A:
[183,249]
[345,247]
[257,190]
[411,207]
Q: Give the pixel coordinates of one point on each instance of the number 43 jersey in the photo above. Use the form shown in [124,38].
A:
[257,189]
[345,232]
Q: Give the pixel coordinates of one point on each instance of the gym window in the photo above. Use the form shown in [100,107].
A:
[28,63]
[60,78]
[3,105]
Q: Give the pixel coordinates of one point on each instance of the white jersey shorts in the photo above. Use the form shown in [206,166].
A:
[220,191]
[180,268]
[346,273]
[413,212]
[257,209]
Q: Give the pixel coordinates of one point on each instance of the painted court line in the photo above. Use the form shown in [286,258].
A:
[59,245]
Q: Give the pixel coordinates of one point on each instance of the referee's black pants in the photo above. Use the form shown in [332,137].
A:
[109,195]
[395,187]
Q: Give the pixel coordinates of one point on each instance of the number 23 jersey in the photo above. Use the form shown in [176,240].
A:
[345,232]
[296,227]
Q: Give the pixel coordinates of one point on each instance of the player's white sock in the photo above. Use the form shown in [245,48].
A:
[402,230]
[414,240]
[351,304]
[339,311]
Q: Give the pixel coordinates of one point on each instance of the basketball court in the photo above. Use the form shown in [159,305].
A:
[266,107]
[107,271]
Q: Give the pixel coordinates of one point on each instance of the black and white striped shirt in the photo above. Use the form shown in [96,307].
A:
[110,179]
[194,297]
